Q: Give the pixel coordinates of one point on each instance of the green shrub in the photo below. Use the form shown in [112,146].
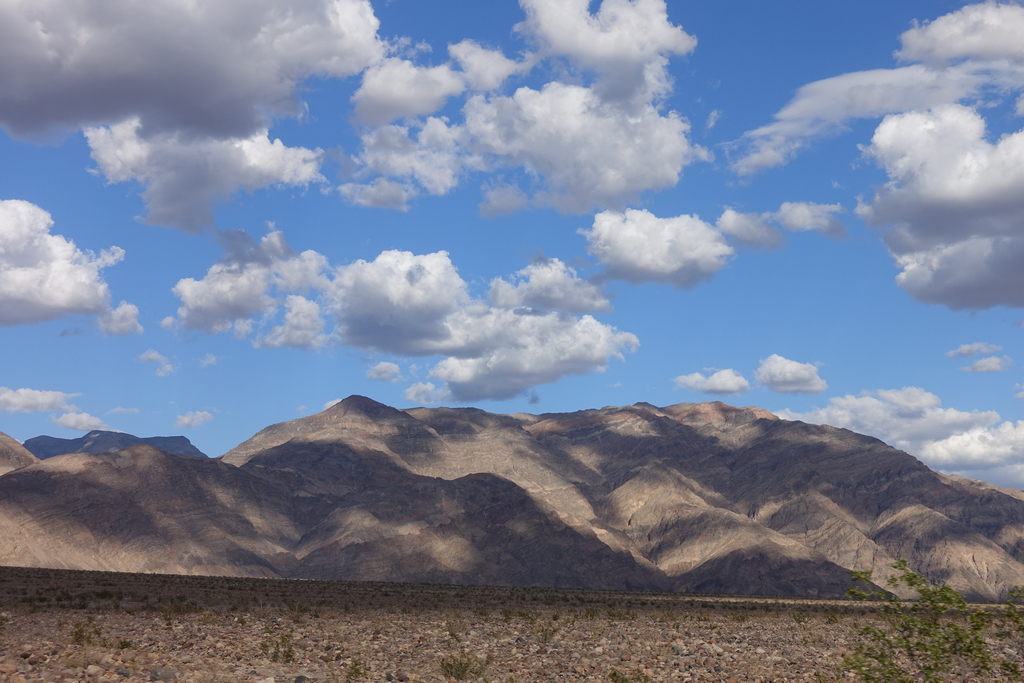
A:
[934,638]
[463,666]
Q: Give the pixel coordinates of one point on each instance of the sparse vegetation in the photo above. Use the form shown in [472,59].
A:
[463,666]
[937,637]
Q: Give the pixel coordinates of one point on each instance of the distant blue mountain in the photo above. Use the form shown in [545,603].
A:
[100,441]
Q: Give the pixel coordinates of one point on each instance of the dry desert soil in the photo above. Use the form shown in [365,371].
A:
[102,627]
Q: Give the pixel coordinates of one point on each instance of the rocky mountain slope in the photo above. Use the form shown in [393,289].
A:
[102,441]
[694,497]
[13,455]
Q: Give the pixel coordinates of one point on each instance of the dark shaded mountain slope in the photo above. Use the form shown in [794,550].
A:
[101,441]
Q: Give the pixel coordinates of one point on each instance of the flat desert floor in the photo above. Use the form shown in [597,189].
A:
[103,627]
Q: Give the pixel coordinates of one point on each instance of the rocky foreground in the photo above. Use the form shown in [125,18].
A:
[98,627]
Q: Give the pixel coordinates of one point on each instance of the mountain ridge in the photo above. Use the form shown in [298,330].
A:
[691,497]
[106,441]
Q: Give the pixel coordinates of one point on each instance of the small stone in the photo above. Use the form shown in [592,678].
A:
[300,679]
[92,670]
[166,675]
[124,672]
[626,657]
[401,676]
[8,667]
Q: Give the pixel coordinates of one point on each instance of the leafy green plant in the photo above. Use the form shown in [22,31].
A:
[933,638]
[463,666]
[355,670]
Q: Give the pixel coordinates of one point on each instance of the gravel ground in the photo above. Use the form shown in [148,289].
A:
[97,627]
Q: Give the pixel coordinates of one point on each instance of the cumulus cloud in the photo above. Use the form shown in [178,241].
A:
[627,43]
[953,206]
[954,203]
[723,383]
[749,229]
[83,422]
[418,305]
[595,138]
[410,305]
[240,287]
[193,418]
[801,216]
[974,349]
[990,364]
[482,69]
[396,88]
[913,420]
[962,55]
[34,400]
[208,360]
[332,403]
[184,176]
[123,411]
[425,394]
[184,92]
[588,151]
[303,326]
[638,246]
[380,193]
[46,277]
[549,284]
[789,376]
[164,366]
[385,372]
[502,200]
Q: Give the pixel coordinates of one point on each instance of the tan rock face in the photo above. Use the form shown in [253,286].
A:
[13,455]
[698,497]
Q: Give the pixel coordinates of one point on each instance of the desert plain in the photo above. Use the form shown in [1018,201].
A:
[100,627]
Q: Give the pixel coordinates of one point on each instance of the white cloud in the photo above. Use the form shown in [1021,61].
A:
[482,69]
[749,229]
[628,43]
[502,200]
[589,152]
[208,360]
[193,418]
[975,349]
[713,118]
[549,284]
[184,176]
[34,400]
[240,286]
[990,364]
[410,305]
[964,55]
[122,320]
[434,159]
[911,419]
[380,193]
[801,216]
[202,79]
[417,305]
[385,372]
[332,402]
[425,394]
[637,246]
[597,137]
[164,366]
[83,422]
[513,352]
[723,382]
[788,376]
[46,277]
[303,326]
[989,30]
[123,411]
[397,88]
[955,201]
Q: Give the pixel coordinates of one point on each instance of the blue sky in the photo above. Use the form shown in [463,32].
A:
[218,216]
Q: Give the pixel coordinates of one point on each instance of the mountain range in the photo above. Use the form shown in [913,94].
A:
[692,497]
[102,441]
